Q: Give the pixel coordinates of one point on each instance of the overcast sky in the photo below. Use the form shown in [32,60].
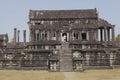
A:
[14,13]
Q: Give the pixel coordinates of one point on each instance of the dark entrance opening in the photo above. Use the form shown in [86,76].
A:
[64,37]
[84,36]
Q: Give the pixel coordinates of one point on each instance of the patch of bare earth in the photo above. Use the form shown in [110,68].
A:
[70,76]
[110,74]
[29,75]
[94,75]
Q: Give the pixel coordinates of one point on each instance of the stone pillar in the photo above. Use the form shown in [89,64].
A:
[69,35]
[39,35]
[15,34]
[51,34]
[24,36]
[87,59]
[30,35]
[87,35]
[108,33]
[111,59]
[79,35]
[45,35]
[48,35]
[18,36]
[101,35]
[55,35]
[73,38]
[60,36]
[96,35]
[34,35]
[113,34]
[105,36]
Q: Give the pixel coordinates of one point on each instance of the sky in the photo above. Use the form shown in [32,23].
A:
[15,13]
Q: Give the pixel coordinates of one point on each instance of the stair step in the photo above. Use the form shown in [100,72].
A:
[66,58]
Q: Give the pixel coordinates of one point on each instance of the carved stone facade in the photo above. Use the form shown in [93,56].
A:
[64,40]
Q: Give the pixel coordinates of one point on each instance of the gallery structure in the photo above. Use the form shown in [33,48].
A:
[62,40]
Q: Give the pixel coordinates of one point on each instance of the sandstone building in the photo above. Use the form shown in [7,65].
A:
[62,40]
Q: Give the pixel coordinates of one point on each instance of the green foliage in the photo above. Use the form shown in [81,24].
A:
[118,37]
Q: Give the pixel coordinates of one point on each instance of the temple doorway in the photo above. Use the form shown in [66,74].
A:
[64,37]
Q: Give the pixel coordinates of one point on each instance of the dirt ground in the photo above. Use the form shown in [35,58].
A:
[110,74]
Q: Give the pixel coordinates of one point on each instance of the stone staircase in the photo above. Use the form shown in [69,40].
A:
[65,58]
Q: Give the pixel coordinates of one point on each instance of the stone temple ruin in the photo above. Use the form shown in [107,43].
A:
[62,40]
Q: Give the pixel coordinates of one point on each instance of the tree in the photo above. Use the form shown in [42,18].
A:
[118,37]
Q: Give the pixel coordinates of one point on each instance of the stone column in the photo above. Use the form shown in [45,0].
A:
[108,33]
[73,38]
[48,35]
[69,35]
[87,35]
[79,35]
[96,35]
[101,35]
[34,35]
[31,37]
[18,35]
[52,35]
[105,34]
[15,34]
[45,35]
[111,59]
[87,59]
[55,35]
[24,36]
[113,34]
[60,36]
[39,35]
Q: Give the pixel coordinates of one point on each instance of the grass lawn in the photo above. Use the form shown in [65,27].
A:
[110,74]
